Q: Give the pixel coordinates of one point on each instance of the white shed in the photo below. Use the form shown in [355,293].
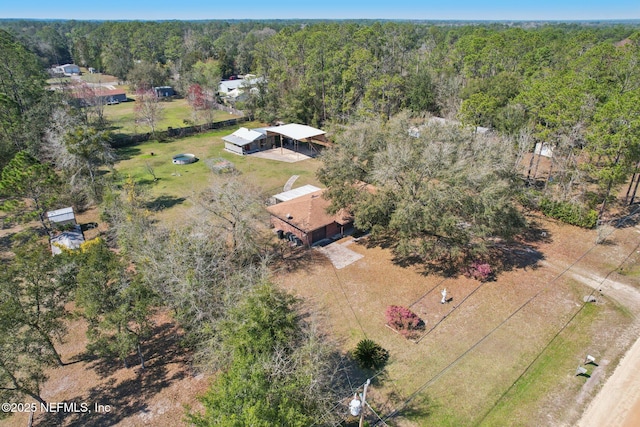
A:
[243,141]
[62,216]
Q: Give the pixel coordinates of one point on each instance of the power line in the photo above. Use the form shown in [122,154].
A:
[620,222]
[584,304]
[376,414]
[450,311]
[335,272]
[454,362]
[428,292]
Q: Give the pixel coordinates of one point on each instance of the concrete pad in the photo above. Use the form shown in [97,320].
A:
[339,255]
[281,155]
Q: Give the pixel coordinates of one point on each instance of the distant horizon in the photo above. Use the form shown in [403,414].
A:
[612,20]
[409,10]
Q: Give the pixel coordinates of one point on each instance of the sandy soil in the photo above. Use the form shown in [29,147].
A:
[115,395]
[155,396]
[618,402]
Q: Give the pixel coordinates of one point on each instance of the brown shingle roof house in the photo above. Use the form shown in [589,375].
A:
[306,218]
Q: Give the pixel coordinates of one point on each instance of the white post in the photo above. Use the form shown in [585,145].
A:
[355,406]
[364,401]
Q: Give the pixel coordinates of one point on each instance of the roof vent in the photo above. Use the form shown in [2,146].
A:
[289,216]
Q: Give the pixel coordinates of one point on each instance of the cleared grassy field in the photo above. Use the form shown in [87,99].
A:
[177,183]
[176,112]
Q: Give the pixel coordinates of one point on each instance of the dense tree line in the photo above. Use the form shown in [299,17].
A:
[24,106]
[557,82]
[444,194]
[327,71]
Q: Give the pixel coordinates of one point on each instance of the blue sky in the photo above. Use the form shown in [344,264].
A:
[323,9]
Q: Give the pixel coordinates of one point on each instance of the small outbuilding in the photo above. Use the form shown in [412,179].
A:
[69,233]
[62,217]
[164,91]
[244,141]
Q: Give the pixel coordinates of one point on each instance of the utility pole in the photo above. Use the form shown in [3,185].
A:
[364,402]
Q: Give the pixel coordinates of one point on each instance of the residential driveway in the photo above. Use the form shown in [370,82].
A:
[339,255]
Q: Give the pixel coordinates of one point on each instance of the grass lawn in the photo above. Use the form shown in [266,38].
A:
[176,111]
[498,354]
[177,183]
[97,77]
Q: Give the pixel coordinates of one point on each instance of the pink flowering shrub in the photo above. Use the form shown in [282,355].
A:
[480,271]
[403,320]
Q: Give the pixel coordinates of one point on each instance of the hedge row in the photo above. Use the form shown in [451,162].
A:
[569,213]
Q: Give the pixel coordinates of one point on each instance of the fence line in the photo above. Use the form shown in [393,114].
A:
[120,141]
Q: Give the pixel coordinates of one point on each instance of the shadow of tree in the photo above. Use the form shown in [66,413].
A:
[292,259]
[129,396]
[6,241]
[516,255]
[630,217]
[164,202]
[19,235]
[420,406]
[127,153]
[501,255]
[535,233]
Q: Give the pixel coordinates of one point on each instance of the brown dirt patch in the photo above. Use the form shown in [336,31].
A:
[152,397]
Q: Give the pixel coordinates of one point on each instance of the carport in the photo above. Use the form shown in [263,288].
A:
[294,134]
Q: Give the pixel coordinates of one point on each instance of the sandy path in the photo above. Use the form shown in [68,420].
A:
[617,404]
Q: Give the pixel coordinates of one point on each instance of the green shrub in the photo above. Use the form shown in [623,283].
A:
[370,355]
[569,213]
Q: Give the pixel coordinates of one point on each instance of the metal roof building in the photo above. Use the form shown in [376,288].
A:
[296,192]
[299,132]
[62,216]
[243,141]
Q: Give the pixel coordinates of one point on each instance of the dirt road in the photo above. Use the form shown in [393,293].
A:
[618,402]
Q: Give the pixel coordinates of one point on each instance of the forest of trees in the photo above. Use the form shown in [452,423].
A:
[556,84]
[440,193]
